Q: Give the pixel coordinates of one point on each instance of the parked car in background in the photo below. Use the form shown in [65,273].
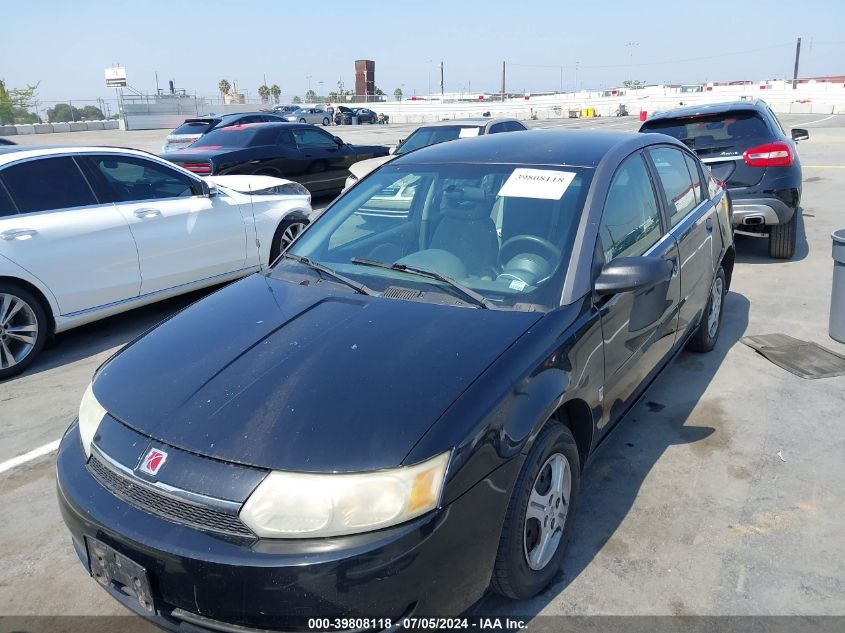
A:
[434,133]
[285,109]
[349,116]
[89,232]
[365,115]
[386,424]
[299,151]
[317,115]
[6,141]
[746,147]
[193,129]
[343,115]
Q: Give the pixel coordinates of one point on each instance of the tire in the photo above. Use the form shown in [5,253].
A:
[326,122]
[782,238]
[707,333]
[513,575]
[303,121]
[21,315]
[287,231]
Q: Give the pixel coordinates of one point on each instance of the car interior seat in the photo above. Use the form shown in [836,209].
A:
[467,230]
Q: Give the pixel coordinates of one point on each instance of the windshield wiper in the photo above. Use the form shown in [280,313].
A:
[322,268]
[467,293]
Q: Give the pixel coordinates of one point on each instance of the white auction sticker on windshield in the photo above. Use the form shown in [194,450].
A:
[466,132]
[537,183]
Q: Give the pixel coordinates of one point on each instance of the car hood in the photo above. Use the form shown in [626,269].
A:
[375,150]
[364,167]
[304,378]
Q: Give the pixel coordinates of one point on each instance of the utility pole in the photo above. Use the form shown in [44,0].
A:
[441,82]
[576,75]
[503,81]
[795,72]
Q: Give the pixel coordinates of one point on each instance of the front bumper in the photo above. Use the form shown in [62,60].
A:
[439,564]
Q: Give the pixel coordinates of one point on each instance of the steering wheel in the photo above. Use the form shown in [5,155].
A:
[550,248]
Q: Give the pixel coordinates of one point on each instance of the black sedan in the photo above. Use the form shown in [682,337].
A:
[389,422]
[295,151]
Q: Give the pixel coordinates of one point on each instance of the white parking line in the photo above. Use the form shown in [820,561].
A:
[820,120]
[28,457]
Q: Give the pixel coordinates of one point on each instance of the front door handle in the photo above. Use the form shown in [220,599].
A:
[147,213]
[18,234]
[709,225]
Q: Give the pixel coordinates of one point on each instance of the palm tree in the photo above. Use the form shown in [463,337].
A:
[276,92]
[264,93]
[224,88]
[398,94]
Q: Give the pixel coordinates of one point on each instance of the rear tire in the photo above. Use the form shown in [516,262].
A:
[782,238]
[326,122]
[24,329]
[524,567]
[287,232]
[707,333]
[302,121]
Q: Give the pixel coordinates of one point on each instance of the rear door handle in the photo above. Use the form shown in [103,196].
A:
[18,234]
[147,213]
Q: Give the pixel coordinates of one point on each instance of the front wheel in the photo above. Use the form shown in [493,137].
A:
[539,519]
[287,232]
[23,329]
[326,122]
[302,121]
[707,334]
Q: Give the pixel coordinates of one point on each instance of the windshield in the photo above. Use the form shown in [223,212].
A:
[736,130]
[502,231]
[426,136]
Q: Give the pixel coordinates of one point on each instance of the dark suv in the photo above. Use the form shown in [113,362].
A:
[745,146]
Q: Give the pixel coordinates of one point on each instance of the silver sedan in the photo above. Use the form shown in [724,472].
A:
[316,115]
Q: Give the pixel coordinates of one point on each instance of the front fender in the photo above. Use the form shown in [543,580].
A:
[498,418]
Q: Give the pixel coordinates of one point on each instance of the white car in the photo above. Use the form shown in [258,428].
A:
[89,232]
[317,115]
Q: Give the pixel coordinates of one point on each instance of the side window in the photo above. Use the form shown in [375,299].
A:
[249,119]
[631,221]
[514,126]
[498,127]
[677,184]
[695,173]
[132,179]
[313,138]
[7,207]
[286,139]
[46,184]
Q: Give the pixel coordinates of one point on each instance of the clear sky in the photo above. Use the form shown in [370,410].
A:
[66,45]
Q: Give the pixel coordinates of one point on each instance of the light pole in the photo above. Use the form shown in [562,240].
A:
[308,78]
[429,62]
[576,75]
[320,84]
[631,46]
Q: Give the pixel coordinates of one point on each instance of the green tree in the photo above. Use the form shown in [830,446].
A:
[297,99]
[332,96]
[91,113]
[224,87]
[379,92]
[276,92]
[264,93]
[634,84]
[63,113]
[15,104]
[310,96]
[398,94]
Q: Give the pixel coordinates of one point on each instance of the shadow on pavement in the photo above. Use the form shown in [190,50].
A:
[612,482]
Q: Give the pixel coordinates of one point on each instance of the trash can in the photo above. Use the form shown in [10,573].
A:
[837,294]
[643,115]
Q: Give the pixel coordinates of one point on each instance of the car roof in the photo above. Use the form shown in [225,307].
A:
[754,105]
[585,148]
[19,152]
[474,120]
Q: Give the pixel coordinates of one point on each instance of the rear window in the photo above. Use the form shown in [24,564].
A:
[193,127]
[726,131]
[426,136]
[239,136]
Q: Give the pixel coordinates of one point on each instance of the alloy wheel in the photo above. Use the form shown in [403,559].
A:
[715,307]
[290,234]
[18,330]
[548,507]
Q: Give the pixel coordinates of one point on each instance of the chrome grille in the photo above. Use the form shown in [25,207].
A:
[145,497]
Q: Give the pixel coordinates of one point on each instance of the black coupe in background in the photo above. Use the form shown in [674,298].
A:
[297,151]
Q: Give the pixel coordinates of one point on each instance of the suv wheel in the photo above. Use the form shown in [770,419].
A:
[782,238]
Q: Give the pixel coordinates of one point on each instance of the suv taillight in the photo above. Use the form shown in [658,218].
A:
[769,155]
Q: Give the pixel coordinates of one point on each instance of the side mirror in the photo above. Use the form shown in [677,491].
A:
[627,274]
[338,140]
[392,150]
[800,134]
[208,190]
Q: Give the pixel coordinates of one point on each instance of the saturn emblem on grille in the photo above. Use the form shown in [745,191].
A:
[153,461]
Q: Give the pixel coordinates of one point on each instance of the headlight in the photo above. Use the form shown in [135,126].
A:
[301,505]
[91,413]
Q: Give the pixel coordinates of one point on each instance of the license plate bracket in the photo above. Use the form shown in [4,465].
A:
[110,567]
